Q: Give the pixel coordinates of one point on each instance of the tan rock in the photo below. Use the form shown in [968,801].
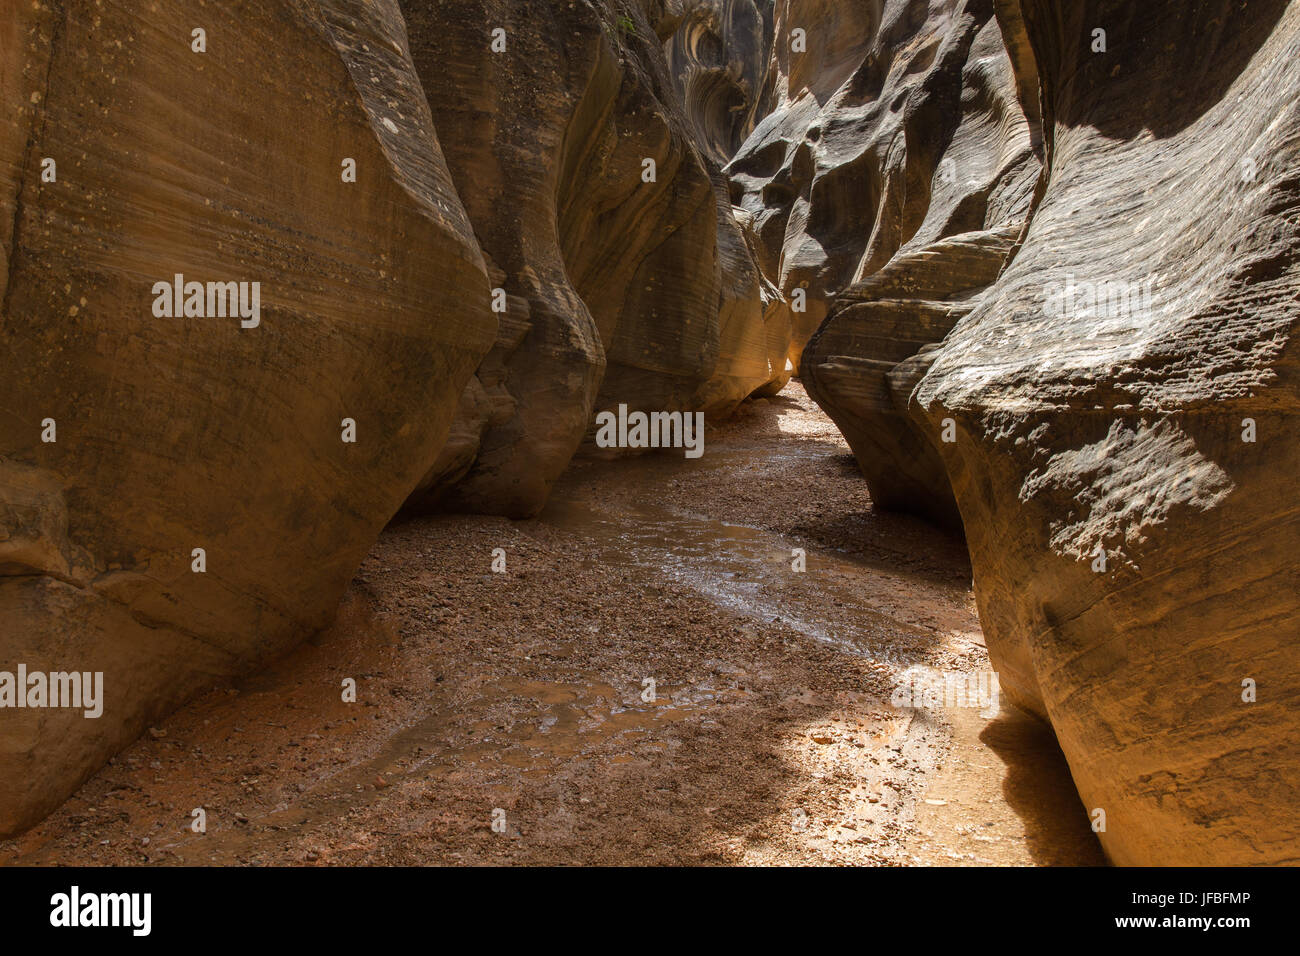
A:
[893,125]
[194,432]
[626,284]
[1104,391]
[718,55]
[863,363]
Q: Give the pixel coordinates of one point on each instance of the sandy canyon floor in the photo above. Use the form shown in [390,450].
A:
[517,697]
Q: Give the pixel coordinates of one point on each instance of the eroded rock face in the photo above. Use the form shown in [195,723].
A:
[894,125]
[718,56]
[129,439]
[625,284]
[888,186]
[1126,406]
[503,115]
[864,362]
[622,284]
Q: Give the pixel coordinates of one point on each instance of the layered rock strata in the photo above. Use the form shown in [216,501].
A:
[178,499]
[1125,402]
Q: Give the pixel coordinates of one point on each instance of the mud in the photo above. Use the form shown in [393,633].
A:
[522,697]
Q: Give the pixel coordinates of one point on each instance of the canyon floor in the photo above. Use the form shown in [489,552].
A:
[517,697]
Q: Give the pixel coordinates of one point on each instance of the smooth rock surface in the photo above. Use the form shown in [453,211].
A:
[863,363]
[623,287]
[192,432]
[1104,389]
[718,57]
[893,123]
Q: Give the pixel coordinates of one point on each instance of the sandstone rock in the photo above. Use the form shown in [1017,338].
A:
[503,115]
[718,57]
[1136,560]
[913,175]
[189,432]
[864,362]
[622,288]
[896,126]
[750,354]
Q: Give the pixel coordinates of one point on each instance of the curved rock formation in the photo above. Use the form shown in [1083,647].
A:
[130,438]
[894,124]
[718,57]
[863,363]
[504,102]
[889,185]
[621,282]
[1125,402]
[624,285]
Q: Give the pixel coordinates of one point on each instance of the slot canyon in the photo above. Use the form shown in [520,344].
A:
[349,462]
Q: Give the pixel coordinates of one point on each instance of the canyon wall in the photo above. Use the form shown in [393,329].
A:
[718,53]
[470,225]
[624,283]
[129,438]
[1125,403]
[1050,262]
[891,179]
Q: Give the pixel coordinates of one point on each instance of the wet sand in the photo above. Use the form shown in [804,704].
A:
[506,718]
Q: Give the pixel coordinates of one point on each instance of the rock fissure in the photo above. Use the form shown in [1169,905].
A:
[1035,263]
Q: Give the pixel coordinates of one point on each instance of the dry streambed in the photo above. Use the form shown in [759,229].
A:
[521,698]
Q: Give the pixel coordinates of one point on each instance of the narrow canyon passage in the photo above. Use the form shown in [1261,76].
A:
[520,697]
